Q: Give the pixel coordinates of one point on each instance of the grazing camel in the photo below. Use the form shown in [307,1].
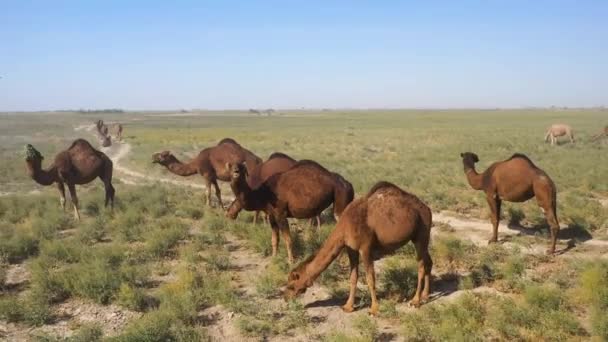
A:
[210,163]
[558,130]
[601,135]
[516,179]
[370,228]
[302,192]
[79,164]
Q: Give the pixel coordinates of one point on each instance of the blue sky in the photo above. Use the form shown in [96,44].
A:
[291,54]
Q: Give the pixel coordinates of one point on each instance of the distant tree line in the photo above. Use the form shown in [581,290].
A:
[268,111]
[91,111]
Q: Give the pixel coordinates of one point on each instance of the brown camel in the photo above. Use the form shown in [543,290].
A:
[302,192]
[277,162]
[210,163]
[372,227]
[516,179]
[558,130]
[79,164]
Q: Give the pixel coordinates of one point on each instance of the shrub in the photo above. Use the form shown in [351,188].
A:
[67,251]
[131,297]
[87,333]
[17,246]
[159,241]
[593,287]
[399,277]
[158,326]
[93,232]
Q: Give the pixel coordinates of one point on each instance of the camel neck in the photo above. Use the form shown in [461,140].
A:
[42,177]
[324,256]
[181,169]
[474,179]
[249,198]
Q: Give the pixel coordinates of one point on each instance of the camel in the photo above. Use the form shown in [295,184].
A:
[210,163]
[558,130]
[79,164]
[601,135]
[370,228]
[516,179]
[276,163]
[118,128]
[302,192]
[102,131]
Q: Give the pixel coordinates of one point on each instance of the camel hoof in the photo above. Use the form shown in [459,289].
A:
[550,252]
[348,308]
[491,241]
[373,310]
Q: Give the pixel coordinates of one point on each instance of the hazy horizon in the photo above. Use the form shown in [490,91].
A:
[271,54]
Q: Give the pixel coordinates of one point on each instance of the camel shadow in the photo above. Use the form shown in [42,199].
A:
[444,286]
[574,232]
[337,301]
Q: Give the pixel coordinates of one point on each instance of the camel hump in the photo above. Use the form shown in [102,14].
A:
[307,162]
[280,155]
[383,185]
[80,142]
[522,156]
[228,141]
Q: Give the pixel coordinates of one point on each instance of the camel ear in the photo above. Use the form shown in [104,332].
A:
[461,155]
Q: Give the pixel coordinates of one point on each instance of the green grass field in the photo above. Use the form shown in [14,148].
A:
[172,266]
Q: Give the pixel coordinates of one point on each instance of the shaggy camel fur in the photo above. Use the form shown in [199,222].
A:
[79,164]
[303,191]
[516,179]
[210,163]
[558,130]
[370,228]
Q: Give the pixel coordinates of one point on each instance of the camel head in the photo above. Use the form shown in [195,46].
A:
[297,281]
[32,155]
[469,158]
[163,158]
[296,285]
[237,170]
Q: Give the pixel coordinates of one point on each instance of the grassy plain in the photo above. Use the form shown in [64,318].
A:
[171,268]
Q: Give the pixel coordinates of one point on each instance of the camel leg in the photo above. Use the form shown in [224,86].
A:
[61,189]
[548,204]
[318,222]
[275,234]
[109,194]
[284,227]
[255,217]
[353,258]
[494,202]
[107,183]
[74,198]
[425,265]
[370,275]
[208,197]
[218,193]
